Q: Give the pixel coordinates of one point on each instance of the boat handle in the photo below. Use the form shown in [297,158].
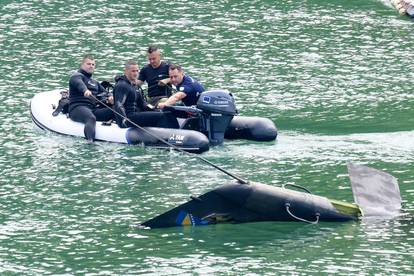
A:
[296,186]
[287,205]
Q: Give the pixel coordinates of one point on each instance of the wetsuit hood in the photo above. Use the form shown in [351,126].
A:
[122,77]
[83,72]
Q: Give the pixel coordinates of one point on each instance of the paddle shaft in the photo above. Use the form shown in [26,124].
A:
[239,179]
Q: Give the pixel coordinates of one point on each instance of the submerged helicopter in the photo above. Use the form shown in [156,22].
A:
[376,194]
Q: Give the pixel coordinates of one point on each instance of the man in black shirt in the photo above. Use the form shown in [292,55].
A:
[152,73]
[83,107]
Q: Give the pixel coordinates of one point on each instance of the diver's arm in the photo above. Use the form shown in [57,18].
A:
[120,98]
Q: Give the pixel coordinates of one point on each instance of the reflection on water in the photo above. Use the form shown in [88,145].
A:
[332,76]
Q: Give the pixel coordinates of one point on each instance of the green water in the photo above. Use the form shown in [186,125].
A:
[335,76]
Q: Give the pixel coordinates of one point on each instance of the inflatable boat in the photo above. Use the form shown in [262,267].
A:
[43,105]
[208,123]
[404,7]
[376,193]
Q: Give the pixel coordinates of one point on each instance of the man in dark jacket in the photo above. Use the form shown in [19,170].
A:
[130,103]
[83,90]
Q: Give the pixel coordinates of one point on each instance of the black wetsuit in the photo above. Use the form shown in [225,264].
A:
[152,76]
[131,104]
[86,109]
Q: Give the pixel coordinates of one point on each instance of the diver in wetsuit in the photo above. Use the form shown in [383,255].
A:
[83,107]
[130,103]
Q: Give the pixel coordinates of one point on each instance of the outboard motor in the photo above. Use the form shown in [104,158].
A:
[218,110]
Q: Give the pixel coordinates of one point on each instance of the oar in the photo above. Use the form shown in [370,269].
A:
[238,178]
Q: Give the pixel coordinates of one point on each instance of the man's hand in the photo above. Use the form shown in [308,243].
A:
[87,93]
[111,100]
[161,105]
[164,82]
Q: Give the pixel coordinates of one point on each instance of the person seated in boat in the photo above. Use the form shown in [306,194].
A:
[152,73]
[86,96]
[187,89]
[130,104]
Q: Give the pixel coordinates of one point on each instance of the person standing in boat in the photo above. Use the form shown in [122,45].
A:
[83,92]
[188,89]
[130,103]
[152,73]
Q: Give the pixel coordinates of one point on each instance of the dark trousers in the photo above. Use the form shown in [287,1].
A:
[88,116]
[153,118]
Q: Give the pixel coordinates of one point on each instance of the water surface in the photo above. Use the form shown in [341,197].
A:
[334,77]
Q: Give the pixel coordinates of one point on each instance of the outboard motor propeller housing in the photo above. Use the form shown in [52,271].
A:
[218,110]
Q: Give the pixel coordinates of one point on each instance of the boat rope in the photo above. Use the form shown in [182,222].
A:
[296,186]
[238,178]
[287,205]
